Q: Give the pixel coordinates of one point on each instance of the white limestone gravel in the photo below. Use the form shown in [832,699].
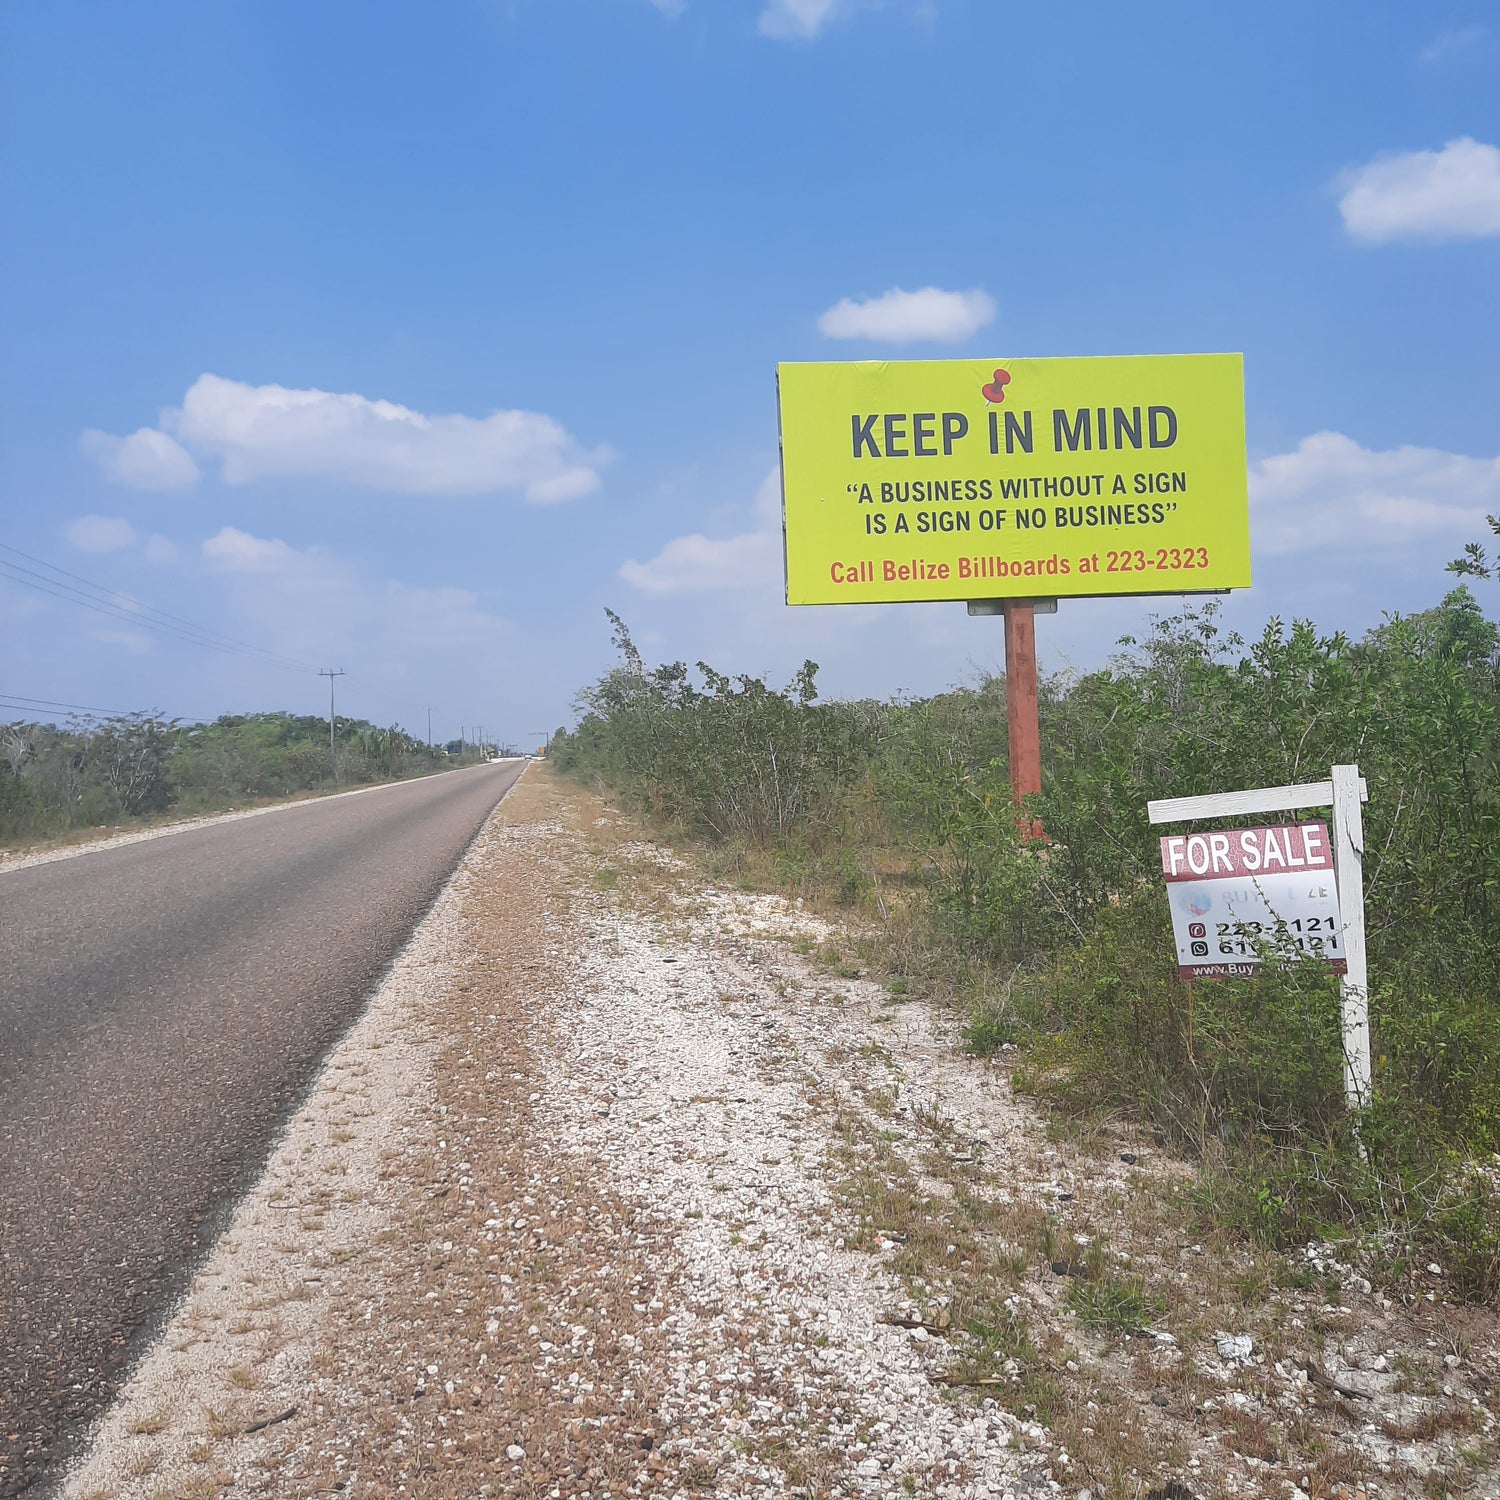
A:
[707,1093]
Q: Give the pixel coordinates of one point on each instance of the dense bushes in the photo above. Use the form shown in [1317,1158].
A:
[734,759]
[1064,947]
[92,773]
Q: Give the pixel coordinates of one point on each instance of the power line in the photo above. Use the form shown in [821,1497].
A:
[22,704]
[107,602]
[112,596]
[142,617]
[19,700]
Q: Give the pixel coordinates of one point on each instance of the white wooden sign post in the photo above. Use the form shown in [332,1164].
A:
[1344,793]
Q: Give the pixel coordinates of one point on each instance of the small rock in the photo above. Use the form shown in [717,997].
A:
[1129,1158]
[1434,1269]
[515,1452]
[1235,1346]
[1160,1401]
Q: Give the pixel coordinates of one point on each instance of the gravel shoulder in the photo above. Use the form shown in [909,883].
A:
[630,1184]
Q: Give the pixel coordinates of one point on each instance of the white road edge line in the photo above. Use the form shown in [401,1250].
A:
[149,1381]
[9,862]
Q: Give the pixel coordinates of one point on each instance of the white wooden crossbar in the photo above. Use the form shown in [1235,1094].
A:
[1257,800]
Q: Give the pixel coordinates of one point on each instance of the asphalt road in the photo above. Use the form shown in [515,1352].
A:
[163,1008]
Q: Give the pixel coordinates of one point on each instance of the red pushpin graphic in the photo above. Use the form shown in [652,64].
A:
[995,390]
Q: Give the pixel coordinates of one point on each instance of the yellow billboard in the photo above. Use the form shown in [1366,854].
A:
[1019,478]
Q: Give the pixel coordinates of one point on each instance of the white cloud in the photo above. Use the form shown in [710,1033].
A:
[116,534]
[1332,493]
[146,460]
[235,551]
[1449,43]
[440,617]
[1433,195]
[698,564]
[136,642]
[100,534]
[307,600]
[567,484]
[901,317]
[259,432]
[1329,501]
[1342,533]
[797,20]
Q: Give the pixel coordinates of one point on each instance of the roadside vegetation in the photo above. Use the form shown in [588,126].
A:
[1061,952]
[93,773]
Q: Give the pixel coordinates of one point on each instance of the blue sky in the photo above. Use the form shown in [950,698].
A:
[572,238]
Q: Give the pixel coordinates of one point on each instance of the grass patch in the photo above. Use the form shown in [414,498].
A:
[1113,1304]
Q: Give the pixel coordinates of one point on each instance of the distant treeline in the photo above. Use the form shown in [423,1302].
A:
[1064,949]
[92,773]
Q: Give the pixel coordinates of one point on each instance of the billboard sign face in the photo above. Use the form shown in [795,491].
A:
[1022,478]
[1233,891]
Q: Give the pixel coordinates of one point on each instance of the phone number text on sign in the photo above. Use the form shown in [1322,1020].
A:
[1239,893]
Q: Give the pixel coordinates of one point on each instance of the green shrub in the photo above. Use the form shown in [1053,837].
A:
[1066,945]
[96,772]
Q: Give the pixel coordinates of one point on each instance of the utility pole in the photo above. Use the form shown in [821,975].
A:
[330,674]
[429,729]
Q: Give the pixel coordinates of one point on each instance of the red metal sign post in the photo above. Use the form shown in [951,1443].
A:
[1022,720]
[1023,725]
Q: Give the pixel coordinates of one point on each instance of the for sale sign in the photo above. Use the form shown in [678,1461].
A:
[1242,894]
